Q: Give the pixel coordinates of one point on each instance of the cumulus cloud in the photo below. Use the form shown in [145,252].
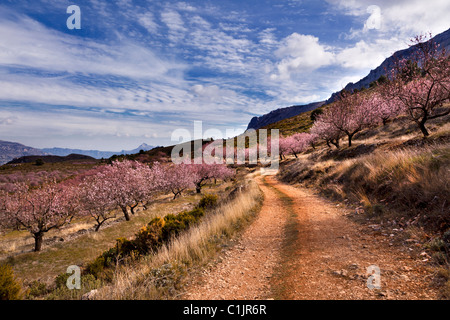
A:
[402,17]
[301,53]
[365,55]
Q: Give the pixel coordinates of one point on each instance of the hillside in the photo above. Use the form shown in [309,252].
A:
[442,39]
[289,126]
[266,120]
[10,150]
[52,159]
[281,114]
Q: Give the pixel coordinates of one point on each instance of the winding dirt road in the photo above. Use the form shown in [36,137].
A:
[301,246]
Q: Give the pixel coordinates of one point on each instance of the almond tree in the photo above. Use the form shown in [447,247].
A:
[122,179]
[96,200]
[422,83]
[202,173]
[284,146]
[349,115]
[326,131]
[39,210]
[179,177]
[383,105]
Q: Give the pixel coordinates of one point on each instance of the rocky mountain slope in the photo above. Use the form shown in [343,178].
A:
[281,114]
[10,150]
[443,39]
[13,150]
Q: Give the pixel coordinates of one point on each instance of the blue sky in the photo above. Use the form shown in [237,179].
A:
[138,70]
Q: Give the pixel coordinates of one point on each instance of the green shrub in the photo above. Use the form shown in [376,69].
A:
[174,224]
[88,282]
[208,201]
[149,237]
[37,289]
[197,213]
[10,289]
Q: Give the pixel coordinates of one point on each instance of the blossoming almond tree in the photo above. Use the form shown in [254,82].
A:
[422,83]
[383,105]
[96,200]
[204,172]
[349,115]
[326,131]
[178,177]
[39,210]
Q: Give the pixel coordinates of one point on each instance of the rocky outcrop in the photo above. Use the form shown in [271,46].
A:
[442,39]
[281,114]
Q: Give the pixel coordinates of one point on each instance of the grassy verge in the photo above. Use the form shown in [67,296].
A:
[163,275]
[406,188]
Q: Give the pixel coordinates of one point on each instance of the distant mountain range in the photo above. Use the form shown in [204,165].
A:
[443,39]
[94,153]
[13,150]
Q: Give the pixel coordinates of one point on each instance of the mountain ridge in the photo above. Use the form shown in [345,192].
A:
[10,151]
[281,114]
[443,39]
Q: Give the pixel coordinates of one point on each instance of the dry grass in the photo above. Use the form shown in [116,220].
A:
[410,180]
[79,249]
[160,276]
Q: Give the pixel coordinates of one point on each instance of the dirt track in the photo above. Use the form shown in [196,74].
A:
[303,247]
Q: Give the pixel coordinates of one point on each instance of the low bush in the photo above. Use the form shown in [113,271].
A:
[10,288]
[208,201]
[149,238]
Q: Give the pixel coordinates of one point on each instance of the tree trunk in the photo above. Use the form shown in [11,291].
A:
[423,129]
[133,208]
[38,241]
[125,213]
[350,136]
[198,188]
[335,143]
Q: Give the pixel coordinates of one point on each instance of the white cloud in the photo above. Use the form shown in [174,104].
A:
[301,53]
[27,43]
[402,18]
[365,55]
[175,23]
[147,20]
